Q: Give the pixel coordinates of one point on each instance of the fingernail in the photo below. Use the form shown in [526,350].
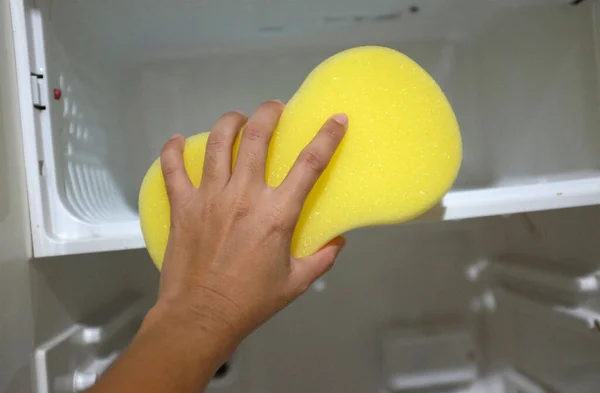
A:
[342,242]
[240,112]
[279,101]
[175,136]
[341,119]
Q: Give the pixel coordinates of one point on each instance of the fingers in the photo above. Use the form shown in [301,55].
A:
[256,136]
[217,159]
[313,160]
[307,270]
[176,178]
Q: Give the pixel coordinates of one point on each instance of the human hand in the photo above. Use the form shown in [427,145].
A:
[228,261]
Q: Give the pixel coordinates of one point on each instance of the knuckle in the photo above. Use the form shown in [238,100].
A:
[168,170]
[210,164]
[215,142]
[241,207]
[251,162]
[168,160]
[278,221]
[312,160]
[209,206]
[254,133]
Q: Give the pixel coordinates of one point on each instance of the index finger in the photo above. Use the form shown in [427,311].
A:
[314,158]
[177,182]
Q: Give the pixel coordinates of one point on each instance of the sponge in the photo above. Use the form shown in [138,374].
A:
[400,155]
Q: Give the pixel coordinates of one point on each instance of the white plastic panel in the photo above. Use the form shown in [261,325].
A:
[558,346]
[546,317]
[86,147]
[568,290]
[522,77]
[187,29]
[566,286]
[73,360]
[516,382]
[55,188]
[427,357]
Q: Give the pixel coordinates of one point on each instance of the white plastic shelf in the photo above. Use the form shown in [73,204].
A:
[523,198]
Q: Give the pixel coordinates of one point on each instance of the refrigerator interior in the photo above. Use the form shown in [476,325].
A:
[425,307]
[521,76]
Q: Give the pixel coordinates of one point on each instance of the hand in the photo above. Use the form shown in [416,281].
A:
[228,257]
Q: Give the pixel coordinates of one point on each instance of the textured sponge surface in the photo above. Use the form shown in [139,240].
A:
[401,154]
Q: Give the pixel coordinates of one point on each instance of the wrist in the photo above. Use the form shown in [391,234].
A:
[196,325]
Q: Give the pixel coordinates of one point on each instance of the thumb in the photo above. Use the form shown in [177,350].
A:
[306,270]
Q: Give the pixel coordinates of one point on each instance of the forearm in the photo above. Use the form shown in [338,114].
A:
[171,353]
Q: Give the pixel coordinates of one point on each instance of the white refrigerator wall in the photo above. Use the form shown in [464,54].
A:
[564,355]
[16,323]
[39,299]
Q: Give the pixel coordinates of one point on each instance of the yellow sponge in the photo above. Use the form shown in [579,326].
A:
[401,153]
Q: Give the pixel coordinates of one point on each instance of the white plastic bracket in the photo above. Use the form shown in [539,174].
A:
[70,361]
[37,81]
